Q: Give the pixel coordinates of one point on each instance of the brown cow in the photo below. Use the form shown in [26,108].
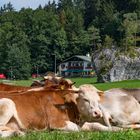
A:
[38,84]
[46,109]
[12,89]
[7,87]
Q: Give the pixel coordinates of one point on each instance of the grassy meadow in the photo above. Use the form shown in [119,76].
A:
[58,135]
[80,81]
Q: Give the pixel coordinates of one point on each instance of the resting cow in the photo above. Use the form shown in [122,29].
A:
[133,92]
[36,85]
[46,109]
[119,110]
[14,88]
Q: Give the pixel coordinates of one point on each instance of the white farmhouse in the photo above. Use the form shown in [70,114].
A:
[76,66]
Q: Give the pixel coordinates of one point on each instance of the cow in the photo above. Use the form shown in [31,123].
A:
[50,108]
[12,89]
[133,92]
[51,77]
[7,87]
[102,111]
[38,83]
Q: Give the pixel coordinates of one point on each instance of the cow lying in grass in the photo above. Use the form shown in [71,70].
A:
[133,92]
[120,110]
[51,108]
[36,85]
[58,105]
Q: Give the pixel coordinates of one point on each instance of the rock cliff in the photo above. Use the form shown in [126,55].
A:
[112,66]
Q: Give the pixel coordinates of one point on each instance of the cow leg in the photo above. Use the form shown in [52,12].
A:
[133,126]
[70,126]
[7,132]
[106,116]
[98,127]
[7,111]
[4,128]
[7,108]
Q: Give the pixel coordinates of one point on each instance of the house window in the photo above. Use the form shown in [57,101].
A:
[89,65]
[81,64]
[77,64]
[63,66]
[73,64]
[69,64]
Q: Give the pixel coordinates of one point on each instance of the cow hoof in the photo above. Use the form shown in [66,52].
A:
[71,126]
[19,133]
[116,128]
[5,134]
[85,127]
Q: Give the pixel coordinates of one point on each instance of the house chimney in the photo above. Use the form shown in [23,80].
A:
[88,55]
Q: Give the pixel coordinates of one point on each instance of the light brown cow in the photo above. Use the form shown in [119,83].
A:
[38,84]
[14,88]
[37,110]
[133,92]
[119,109]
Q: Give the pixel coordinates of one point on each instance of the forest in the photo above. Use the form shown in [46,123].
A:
[31,39]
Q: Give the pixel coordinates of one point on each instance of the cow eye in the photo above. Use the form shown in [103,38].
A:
[86,100]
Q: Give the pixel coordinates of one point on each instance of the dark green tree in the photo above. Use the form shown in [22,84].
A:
[130,28]
[92,8]
[94,38]
[14,52]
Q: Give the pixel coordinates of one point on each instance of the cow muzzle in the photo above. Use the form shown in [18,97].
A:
[97,114]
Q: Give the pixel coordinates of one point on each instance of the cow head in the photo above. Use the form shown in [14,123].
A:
[69,90]
[52,77]
[88,101]
[38,83]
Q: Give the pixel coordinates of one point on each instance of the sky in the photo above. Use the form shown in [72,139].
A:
[18,4]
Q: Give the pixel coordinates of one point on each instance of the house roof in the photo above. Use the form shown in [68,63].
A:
[82,57]
[86,58]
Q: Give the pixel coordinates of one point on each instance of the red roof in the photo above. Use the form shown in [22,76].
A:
[2,76]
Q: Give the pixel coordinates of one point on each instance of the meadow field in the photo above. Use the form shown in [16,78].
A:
[58,135]
[101,86]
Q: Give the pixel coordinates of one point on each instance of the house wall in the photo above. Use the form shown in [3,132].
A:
[66,68]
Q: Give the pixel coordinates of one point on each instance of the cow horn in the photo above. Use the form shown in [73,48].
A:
[73,83]
[100,91]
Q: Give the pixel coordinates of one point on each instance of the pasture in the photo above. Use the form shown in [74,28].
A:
[57,135]
[101,86]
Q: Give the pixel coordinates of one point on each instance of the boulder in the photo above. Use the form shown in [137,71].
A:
[110,65]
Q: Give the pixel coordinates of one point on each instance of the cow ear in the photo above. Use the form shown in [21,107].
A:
[71,97]
[101,93]
[62,87]
[73,83]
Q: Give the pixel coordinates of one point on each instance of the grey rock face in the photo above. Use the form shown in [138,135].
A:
[111,66]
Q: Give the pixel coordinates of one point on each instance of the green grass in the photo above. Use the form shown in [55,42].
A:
[80,81]
[106,86]
[57,135]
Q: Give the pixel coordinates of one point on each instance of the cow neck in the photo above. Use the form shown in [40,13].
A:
[14,93]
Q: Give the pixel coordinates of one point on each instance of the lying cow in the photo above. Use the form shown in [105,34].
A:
[133,92]
[7,87]
[91,103]
[36,85]
[120,110]
[45,109]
